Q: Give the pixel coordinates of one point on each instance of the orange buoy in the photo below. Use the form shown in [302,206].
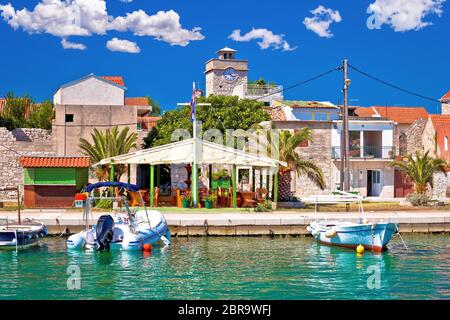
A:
[147,247]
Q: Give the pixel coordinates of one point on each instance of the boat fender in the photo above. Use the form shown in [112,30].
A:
[165,240]
[308,228]
[331,233]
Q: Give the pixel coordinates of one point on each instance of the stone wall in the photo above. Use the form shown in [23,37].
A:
[440,184]
[410,140]
[319,152]
[16,143]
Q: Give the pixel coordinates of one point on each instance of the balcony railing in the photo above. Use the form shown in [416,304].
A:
[366,152]
[260,90]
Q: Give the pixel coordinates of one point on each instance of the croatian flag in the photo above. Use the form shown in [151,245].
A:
[193,104]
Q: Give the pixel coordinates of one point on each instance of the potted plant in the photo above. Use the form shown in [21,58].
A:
[209,200]
[186,198]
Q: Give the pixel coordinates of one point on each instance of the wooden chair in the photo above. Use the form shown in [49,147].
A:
[156,193]
[248,201]
[261,194]
[135,198]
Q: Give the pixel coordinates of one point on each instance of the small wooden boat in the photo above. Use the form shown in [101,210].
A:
[15,236]
[373,237]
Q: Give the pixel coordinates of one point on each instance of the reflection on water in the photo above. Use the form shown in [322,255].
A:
[231,268]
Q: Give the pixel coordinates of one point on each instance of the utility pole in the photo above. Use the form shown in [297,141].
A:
[345,129]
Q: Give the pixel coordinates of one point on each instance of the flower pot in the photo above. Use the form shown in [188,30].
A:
[185,203]
[208,204]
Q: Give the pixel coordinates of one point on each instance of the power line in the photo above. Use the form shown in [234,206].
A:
[393,85]
[299,84]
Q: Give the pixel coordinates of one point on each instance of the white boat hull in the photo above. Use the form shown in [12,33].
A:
[373,237]
[148,231]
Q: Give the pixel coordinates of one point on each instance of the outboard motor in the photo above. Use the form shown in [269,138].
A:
[105,227]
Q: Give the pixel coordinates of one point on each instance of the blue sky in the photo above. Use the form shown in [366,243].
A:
[410,49]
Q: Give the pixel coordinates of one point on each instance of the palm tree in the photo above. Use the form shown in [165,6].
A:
[420,168]
[107,144]
[288,143]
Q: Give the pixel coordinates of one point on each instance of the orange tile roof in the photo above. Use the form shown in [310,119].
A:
[54,162]
[443,119]
[404,115]
[137,101]
[446,96]
[116,79]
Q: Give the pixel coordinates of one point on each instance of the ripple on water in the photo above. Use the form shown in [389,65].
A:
[232,268]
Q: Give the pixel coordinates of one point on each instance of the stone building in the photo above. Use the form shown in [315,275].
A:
[98,102]
[372,147]
[226,75]
[17,143]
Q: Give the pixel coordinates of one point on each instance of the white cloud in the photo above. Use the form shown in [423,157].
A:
[72,45]
[321,21]
[164,26]
[122,46]
[126,1]
[267,37]
[90,17]
[405,15]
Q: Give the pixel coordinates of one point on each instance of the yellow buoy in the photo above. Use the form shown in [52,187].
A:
[360,249]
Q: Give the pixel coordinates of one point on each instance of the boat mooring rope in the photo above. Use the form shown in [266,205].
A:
[401,238]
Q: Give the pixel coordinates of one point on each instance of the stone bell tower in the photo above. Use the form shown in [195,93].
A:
[225,73]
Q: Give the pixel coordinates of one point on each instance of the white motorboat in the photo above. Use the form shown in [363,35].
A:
[125,231]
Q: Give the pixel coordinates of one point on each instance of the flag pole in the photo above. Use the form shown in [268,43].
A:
[194,156]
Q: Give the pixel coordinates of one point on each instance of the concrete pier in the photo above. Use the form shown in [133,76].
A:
[287,223]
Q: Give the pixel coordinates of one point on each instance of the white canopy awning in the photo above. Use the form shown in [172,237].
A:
[182,152]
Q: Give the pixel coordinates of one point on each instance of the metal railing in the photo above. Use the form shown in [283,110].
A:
[260,90]
[366,152]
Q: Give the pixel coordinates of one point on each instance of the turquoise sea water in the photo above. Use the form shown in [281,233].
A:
[232,268]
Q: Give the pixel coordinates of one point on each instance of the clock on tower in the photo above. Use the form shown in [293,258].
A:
[225,73]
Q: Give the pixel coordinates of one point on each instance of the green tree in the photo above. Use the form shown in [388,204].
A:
[22,112]
[41,115]
[224,112]
[156,110]
[420,168]
[288,143]
[109,143]
[14,114]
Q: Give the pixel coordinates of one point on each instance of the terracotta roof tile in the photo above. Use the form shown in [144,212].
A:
[52,162]
[137,101]
[276,113]
[405,115]
[446,96]
[116,79]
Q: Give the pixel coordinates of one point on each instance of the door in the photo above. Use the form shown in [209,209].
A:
[373,183]
[403,185]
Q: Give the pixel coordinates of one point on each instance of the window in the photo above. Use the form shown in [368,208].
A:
[69,117]
[376,176]
[446,143]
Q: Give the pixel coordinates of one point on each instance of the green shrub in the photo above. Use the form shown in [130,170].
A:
[417,199]
[264,207]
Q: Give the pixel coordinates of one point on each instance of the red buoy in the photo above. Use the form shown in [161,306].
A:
[147,247]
